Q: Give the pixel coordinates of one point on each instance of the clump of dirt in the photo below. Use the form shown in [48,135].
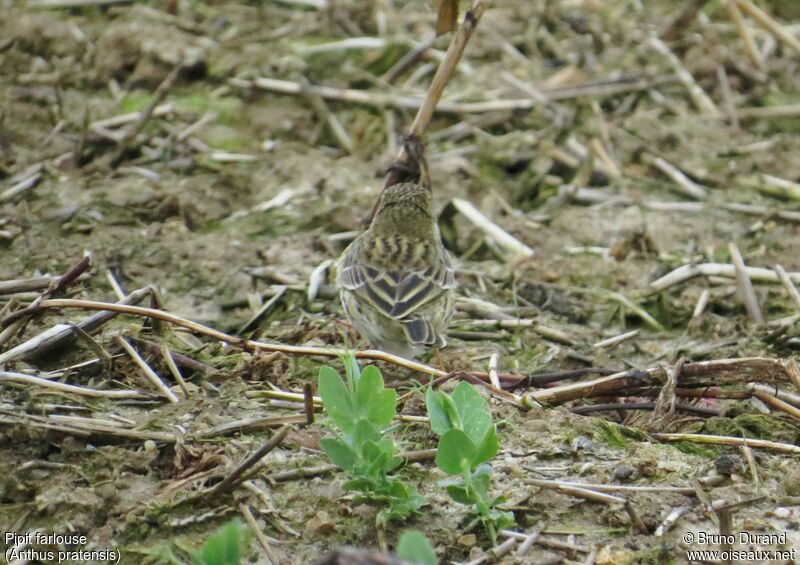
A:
[141,53]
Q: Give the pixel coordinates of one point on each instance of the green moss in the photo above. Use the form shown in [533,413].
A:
[160,552]
[655,555]
[375,61]
[750,425]
[698,449]
[225,108]
[135,101]
[611,434]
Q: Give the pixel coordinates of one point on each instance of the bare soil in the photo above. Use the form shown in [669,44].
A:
[234,192]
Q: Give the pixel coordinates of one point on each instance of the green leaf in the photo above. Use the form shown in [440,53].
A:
[437,413]
[394,463]
[374,402]
[361,484]
[376,459]
[455,452]
[340,454]
[452,410]
[399,490]
[487,448]
[482,508]
[502,520]
[404,502]
[458,492]
[386,445]
[351,370]
[482,480]
[226,547]
[415,548]
[363,432]
[336,399]
[474,415]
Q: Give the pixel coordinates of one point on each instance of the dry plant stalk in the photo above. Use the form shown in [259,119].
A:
[732,441]
[236,341]
[443,75]
[767,22]
[741,27]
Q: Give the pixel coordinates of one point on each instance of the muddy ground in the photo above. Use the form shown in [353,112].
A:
[232,191]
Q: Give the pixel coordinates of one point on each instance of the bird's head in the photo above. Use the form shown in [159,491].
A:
[404,209]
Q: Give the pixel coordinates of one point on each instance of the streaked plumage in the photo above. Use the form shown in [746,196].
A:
[396,279]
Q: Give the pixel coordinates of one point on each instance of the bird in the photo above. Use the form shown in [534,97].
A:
[396,279]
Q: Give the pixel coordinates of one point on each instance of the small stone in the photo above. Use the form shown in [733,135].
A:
[623,473]
[610,555]
[782,513]
[467,540]
[582,443]
[791,481]
[536,425]
[321,523]
[514,469]
[551,276]
[725,465]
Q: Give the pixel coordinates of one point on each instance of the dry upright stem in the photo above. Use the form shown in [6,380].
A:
[446,69]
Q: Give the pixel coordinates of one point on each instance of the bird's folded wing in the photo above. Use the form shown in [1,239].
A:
[397,293]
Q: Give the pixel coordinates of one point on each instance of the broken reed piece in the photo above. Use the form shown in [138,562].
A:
[61,334]
[238,474]
[20,187]
[546,542]
[788,284]
[745,285]
[501,237]
[495,553]
[56,285]
[686,272]
[251,345]
[686,185]
[744,32]
[701,99]
[774,186]
[11,377]
[147,371]
[771,25]
[308,403]
[260,536]
[33,284]
[730,441]
[721,371]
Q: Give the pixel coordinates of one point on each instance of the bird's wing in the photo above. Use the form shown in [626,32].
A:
[397,293]
[418,288]
[419,331]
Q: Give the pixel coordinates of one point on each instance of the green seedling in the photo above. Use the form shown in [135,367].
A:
[467,442]
[228,546]
[361,411]
[414,547]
